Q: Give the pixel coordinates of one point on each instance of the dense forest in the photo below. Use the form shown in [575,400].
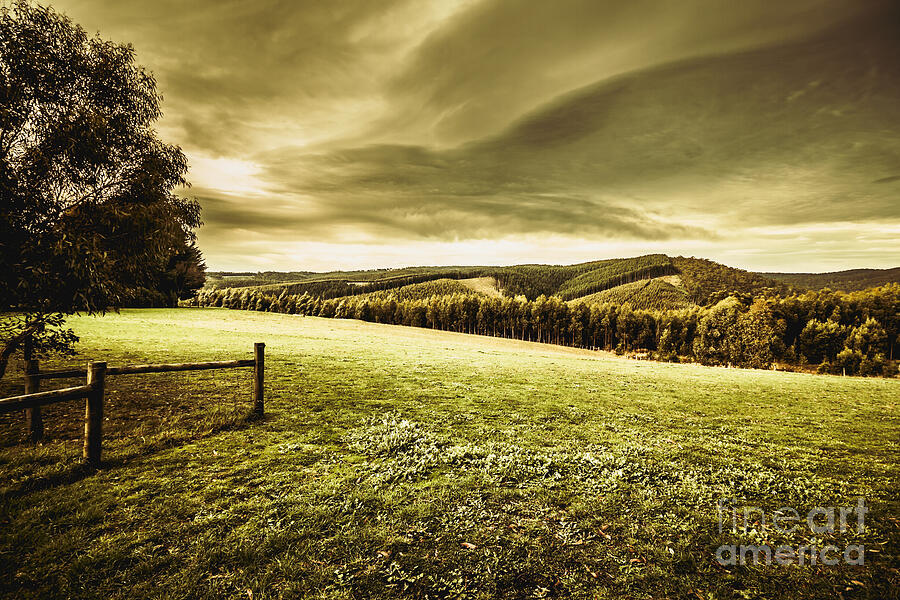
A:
[840,333]
[616,273]
[847,281]
[647,294]
[708,282]
[423,291]
[654,306]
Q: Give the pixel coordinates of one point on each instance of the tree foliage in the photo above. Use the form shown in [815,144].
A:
[853,280]
[184,275]
[708,282]
[615,273]
[646,294]
[88,212]
[858,336]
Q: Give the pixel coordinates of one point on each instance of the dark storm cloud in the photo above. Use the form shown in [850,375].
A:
[405,120]
[729,137]
[502,58]
[234,72]
[442,218]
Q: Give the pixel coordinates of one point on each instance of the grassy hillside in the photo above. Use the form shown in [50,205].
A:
[847,281]
[407,463]
[483,285]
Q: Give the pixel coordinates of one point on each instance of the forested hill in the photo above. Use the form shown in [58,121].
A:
[666,308]
[707,282]
[845,281]
[676,282]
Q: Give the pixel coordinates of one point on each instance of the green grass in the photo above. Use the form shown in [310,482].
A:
[401,462]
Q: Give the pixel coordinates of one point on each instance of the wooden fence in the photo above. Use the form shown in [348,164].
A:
[94,389]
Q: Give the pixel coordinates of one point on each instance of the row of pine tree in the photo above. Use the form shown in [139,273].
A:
[842,333]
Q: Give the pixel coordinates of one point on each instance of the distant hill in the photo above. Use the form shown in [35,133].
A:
[707,281]
[531,281]
[616,273]
[573,281]
[649,281]
[847,281]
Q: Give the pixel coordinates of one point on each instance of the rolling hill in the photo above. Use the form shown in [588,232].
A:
[676,307]
[650,281]
[423,443]
[846,281]
[426,289]
[707,281]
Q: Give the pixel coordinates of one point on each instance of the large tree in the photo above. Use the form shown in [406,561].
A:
[184,275]
[88,211]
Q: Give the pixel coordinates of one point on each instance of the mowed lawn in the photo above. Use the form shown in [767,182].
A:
[399,462]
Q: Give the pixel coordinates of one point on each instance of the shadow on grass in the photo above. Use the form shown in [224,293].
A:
[77,471]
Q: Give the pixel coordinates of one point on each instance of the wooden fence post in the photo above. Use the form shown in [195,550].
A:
[33,418]
[259,368]
[93,414]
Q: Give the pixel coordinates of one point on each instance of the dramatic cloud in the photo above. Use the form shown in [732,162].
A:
[502,58]
[349,134]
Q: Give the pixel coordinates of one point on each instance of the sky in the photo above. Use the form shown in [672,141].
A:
[351,134]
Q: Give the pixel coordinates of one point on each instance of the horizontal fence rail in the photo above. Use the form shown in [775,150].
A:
[149,368]
[71,374]
[8,405]
[95,375]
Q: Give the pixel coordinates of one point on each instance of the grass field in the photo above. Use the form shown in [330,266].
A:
[400,462]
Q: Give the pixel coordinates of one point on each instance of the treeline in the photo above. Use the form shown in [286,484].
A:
[421,291]
[705,281]
[853,334]
[385,277]
[531,281]
[227,279]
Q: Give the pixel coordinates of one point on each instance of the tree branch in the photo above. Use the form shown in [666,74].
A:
[13,344]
